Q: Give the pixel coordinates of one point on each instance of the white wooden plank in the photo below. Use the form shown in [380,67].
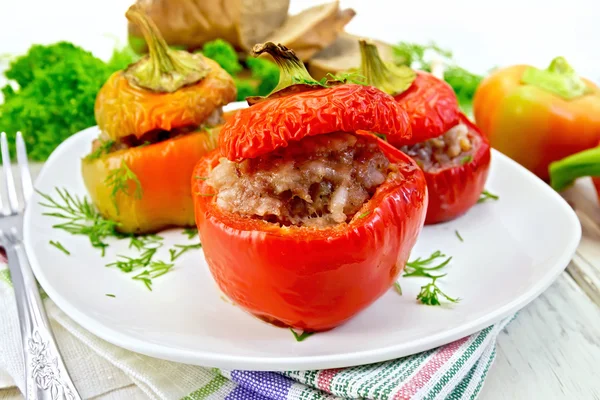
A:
[551,350]
[585,268]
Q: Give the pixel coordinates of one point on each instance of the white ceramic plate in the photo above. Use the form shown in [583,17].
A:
[513,249]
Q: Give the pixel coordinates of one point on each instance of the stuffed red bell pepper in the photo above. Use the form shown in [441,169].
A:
[306,219]
[451,150]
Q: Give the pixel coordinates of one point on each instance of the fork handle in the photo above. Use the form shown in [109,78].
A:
[46,376]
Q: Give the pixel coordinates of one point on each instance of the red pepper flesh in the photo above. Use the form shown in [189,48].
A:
[312,279]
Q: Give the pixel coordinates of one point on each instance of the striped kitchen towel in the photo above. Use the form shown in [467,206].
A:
[454,371]
[101,370]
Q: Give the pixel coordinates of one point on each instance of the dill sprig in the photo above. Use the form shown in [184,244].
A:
[398,288]
[144,276]
[485,196]
[459,236]
[423,267]
[128,264]
[104,148]
[80,217]
[301,336]
[141,242]
[181,249]
[190,232]
[59,246]
[119,181]
[159,268]
[155,269]
[430,294]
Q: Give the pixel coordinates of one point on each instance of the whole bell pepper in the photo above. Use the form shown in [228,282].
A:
[153,117]
[455,185]
[538,116]
[310,278]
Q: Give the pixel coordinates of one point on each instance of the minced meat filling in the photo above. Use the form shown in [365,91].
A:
[155,136]
[454,147]
[318,181]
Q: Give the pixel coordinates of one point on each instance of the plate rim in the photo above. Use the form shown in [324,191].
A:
[212,359]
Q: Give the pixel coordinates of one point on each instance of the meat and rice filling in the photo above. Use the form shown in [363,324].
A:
[454,147]
[155,136]
[318,181]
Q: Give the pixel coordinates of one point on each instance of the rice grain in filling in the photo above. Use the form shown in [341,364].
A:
[318,181]
[454,147]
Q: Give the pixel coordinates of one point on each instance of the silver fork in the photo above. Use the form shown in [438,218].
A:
[46,376]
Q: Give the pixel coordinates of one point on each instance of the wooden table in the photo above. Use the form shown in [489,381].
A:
[552,349]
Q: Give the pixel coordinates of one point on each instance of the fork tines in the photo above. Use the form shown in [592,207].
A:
[9,200]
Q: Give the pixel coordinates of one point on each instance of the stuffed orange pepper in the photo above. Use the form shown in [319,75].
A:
[156,118]
[305,218]
[453,153]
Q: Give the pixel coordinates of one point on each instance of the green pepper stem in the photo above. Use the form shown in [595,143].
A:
[564,172]
[292,69]
[390,78]
[559,78]
[164,69]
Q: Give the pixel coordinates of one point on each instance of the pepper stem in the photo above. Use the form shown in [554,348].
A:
[164,69]
[564,172]
[559,78]
[293,76]
[390,78]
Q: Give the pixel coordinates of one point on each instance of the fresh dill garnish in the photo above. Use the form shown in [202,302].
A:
[457,233]
[485,196]
[301,336]
[80,218]
[201,178]
[119,181]
[466,159]
[365,214]
[144,241]
[398,288]
[144,276]
[420,267]
[104,148]
[190,232]
[60,247]
[429,294]
[182,248]
[128,264]
[159,268]
[110,295]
